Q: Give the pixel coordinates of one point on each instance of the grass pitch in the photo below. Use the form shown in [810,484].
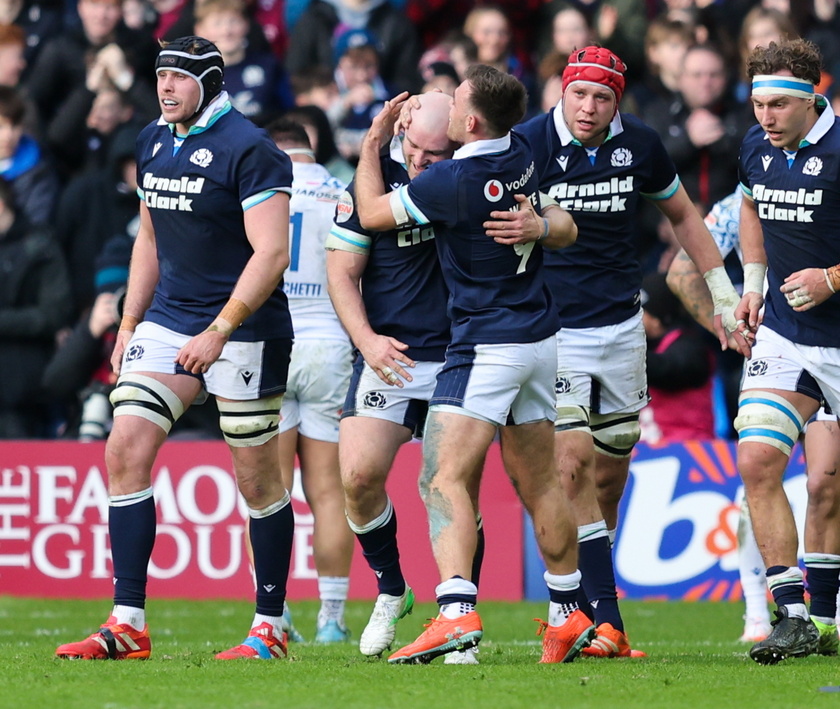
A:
[694,661]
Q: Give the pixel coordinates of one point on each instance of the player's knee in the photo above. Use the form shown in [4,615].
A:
[766,418]
[615,434]
[148,398]
[823,497]
[246,424]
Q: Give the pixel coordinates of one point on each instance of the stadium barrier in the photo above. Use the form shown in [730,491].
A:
[676,537]
[54,526]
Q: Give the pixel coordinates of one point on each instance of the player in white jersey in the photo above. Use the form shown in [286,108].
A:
[790,216]
[319,375]
[822,454]
[205,280]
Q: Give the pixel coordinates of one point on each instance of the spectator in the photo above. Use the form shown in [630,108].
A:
[311,43]
[761,26]
[12,66]
[679,369]
[702,127]
[570,30]
[81,139]
[317,126]
[255,80]
[34,305]
[24,164]
[93,208]
[666,43]
[79,375]
[489,27]
[441,76]
[74,67]
[619,25]
[362,92]
[39,20]
[315,87]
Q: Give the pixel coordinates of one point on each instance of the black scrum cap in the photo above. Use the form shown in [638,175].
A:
[199,59]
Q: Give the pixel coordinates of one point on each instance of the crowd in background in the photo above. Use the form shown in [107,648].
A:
[77,84]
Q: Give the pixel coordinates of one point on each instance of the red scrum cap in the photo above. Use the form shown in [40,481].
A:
[596,65]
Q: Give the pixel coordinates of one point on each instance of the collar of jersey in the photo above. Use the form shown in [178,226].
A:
[821,127]
[482,147]
[566,137]
[310,171]
[218,107]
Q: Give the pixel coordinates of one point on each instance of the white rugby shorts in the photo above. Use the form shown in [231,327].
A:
[503,384]
[603,368]
[778,363]
[369,396]
[244,371]
[319,376]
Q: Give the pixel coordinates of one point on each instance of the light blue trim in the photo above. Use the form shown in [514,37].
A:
[263,196]
[259,646]
[411,208]
[765,433]
[804,86]
[359,242]
[667,193]
[774,404]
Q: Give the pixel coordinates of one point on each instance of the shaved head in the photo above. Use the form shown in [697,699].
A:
[425,141]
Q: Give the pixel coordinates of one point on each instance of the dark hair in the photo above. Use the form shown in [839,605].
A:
[313,77]
[799,56]
[12,106]
[288,132]
[313,116]
[500,98]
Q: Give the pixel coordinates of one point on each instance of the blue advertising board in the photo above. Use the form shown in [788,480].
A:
[678,520]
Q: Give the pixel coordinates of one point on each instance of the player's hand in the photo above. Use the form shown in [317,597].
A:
[806,289]
[741,339]
[123,336]
[748,316]
[520,227]
[382,126]
[201,351]
[404,120]
[386,356]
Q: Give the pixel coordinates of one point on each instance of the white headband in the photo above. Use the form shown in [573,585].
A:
[300,151]
[773,85]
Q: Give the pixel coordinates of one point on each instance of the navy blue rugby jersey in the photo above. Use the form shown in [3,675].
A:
[596,280]
[197,194]
[798,205]
[497,292]
[402,285]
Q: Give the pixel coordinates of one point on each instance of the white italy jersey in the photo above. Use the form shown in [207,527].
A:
[315,194]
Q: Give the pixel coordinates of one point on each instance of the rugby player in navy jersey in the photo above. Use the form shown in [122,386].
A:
[389,292]
[498,374]
[790,218]
[598,164]
[205,313]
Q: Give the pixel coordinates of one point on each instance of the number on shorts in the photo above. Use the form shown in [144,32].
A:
[524,252]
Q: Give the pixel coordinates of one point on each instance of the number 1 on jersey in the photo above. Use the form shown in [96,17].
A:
[295,233]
